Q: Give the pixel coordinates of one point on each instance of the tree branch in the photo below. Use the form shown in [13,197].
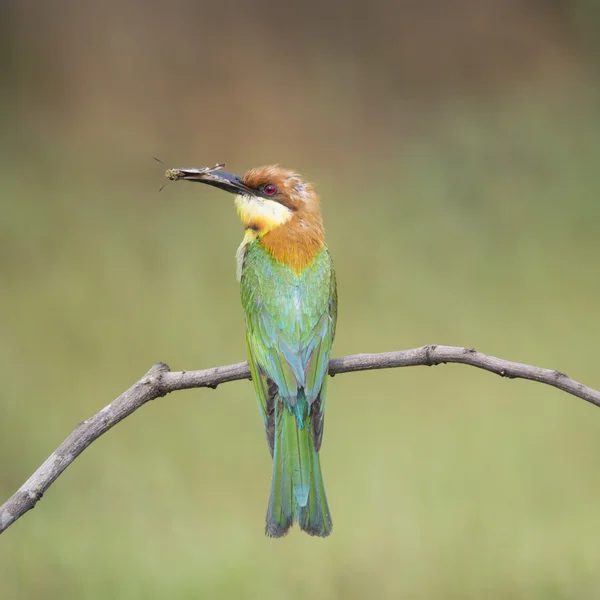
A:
[159,381]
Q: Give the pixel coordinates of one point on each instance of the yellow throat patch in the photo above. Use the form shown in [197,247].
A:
[260,214]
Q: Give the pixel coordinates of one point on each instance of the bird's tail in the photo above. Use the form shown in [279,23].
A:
[297,490]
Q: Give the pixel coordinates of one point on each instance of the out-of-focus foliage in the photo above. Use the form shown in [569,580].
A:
[456,151]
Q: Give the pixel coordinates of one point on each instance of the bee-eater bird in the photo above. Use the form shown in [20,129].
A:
[289,297]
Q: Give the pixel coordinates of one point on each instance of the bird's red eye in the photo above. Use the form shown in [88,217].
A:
[269,189]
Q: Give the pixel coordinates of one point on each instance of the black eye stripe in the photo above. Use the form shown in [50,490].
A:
[270,192]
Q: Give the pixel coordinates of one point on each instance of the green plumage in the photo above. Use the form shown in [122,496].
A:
[290,325]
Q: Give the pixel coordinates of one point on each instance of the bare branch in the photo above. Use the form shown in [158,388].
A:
[159,381]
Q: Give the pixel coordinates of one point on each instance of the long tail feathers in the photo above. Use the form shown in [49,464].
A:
[280,514]
[297,490]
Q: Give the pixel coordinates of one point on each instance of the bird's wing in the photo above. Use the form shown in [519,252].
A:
[265,390]
[317,359]
[320,310]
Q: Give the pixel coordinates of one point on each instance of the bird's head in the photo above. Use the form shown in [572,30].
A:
[276,207]
[267,198]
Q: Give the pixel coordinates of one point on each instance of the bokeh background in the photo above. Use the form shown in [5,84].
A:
[456,147]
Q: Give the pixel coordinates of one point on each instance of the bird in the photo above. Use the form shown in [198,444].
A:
[289,298]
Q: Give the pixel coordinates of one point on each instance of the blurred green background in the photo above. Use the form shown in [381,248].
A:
[456,148]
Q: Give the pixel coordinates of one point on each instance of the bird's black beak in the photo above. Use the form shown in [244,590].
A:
[221,179]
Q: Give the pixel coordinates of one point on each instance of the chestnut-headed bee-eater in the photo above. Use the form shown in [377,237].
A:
[289,298]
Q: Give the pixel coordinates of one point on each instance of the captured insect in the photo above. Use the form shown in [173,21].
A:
[191,174]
